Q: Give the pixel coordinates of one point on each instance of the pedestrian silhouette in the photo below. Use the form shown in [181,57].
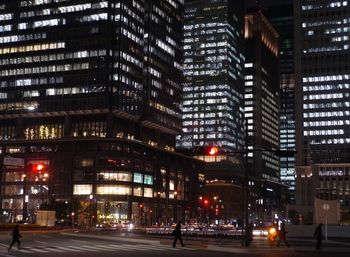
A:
[15,238]
[282,235]
[177,234]
[319,236]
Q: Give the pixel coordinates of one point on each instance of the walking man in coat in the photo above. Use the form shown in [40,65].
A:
[177,234]
[15,238]
[319,236]
[283,235]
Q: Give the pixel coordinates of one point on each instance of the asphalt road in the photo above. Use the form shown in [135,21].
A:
[57,245]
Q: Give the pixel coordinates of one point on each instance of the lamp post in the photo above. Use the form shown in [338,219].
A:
[175,198]
[326,207]
[91,197]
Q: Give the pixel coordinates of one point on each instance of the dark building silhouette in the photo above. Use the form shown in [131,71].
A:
[262,103]
[281,18]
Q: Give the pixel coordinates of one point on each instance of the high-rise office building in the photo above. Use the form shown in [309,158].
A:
[91,90]
[262,115]
[213,97]
[213,76]
[281,18]
[322,93]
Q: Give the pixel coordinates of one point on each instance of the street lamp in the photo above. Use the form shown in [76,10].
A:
[175,198]
[91,197]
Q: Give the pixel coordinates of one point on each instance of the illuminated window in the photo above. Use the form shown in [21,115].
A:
[138,178]
[148,180]
[148,192]
[114,176]
[113,190]
[82,189]
[137,191]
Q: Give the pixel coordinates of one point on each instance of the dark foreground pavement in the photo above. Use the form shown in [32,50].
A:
[112,243]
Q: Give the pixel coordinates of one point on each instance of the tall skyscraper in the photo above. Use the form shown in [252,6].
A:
[262,114]
[91,90]
[213,97]
[213,76]
[323,97]
[281,18]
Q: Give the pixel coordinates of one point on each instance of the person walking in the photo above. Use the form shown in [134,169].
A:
[177,234]
[15,238]
[282,235]
[319,236]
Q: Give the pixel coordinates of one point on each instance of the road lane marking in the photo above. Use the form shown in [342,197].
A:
[38,250]
[149,247]
[53,249]
[81,248]
[41,242]
[79,241]
[106,248]
[68,249]
[95,247]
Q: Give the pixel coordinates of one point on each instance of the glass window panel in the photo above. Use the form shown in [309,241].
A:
[138,191]
[82,189]
[148,192]
[148,180]
[113,190]
[138,178]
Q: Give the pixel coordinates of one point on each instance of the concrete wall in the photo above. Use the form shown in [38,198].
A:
[308,230]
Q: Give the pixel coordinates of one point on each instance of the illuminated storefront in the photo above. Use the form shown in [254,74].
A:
[102,181]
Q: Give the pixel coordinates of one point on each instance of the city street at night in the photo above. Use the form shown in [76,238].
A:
[174,128]
[58,244]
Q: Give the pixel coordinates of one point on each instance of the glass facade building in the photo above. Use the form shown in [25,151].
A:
[322,60]
[89,71]
[281,18]
[213,76]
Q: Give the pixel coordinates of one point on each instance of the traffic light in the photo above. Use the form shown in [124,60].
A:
[37,167]
[213,150]
[206,202]
[208,150]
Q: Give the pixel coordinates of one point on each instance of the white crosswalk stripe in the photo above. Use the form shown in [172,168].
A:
[33,249]
[67,248]
[101,248]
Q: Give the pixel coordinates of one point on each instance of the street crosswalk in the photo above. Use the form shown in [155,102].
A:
[96,248]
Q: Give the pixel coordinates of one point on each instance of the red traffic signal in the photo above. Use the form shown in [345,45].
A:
[206,202]
[38,167]
[213,150]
